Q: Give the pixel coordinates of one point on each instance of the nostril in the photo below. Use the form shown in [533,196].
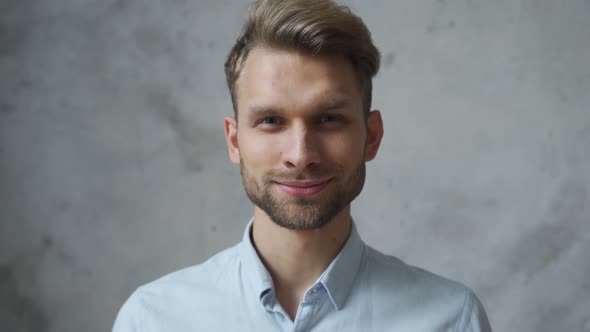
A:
[289,164]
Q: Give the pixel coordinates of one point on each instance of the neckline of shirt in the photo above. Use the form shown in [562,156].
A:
[337,279]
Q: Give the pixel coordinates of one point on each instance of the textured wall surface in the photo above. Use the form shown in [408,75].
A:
[113,168]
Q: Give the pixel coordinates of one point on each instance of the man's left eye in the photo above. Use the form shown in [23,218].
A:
[328,118]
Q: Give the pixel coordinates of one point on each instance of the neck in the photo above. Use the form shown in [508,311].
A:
[296,258]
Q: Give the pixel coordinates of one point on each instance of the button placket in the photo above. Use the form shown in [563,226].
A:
[304,316]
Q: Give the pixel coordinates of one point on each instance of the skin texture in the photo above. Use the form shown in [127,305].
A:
[301,140]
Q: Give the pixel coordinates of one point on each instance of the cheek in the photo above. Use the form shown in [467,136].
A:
[345,148]
[259,152]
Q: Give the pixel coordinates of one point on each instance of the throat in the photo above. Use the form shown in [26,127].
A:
[289,300]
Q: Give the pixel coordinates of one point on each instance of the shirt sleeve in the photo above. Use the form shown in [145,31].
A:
[129,315]
[474,316]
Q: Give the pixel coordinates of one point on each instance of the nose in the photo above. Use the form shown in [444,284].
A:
[301,149]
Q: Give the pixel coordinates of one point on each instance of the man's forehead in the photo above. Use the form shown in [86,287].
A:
[276,76]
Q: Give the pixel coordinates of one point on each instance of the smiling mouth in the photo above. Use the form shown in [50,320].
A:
[303,188]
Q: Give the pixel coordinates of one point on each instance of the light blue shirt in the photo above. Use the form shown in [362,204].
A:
[361,290]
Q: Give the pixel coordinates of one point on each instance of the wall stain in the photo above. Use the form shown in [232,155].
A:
[5,274]
[13,37]
[48,247]
[558,317]
[118,6]
[549,241]
[60,204]
[537,249]
[46,243]
[152,41]
[540,248]
[186,132]
[389,59]
[6,108]
[25,84]
[562,95]
[14,92]
[434,27]
[18,312]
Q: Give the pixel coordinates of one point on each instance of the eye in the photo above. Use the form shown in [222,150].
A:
[270,121]
[328,118]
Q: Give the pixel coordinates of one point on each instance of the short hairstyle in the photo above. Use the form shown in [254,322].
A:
[309,26]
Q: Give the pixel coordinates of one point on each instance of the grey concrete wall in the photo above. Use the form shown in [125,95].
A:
[113,169]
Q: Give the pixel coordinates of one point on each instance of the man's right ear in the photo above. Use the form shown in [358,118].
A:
[231,138]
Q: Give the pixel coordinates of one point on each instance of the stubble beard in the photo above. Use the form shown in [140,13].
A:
[300,213]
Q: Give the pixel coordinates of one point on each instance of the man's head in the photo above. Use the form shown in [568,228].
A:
[299,77]
[306,26]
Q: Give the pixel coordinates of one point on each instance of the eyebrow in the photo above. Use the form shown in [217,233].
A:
[256,111]
[335,103]
[328,105]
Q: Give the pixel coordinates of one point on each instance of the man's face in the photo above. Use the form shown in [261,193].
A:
[301,139]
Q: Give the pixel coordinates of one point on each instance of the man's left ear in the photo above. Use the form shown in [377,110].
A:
[374,135]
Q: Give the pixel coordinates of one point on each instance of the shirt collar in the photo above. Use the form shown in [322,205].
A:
[340,275]
[337,279]
[253,271]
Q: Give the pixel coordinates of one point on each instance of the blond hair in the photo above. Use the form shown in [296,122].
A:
[310,26]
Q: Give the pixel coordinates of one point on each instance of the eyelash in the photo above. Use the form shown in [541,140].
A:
[276,120]
[264,120]
[331,117]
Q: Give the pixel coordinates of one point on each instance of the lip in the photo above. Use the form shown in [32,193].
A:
[303,188]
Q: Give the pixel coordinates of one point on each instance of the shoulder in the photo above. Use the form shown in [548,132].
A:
[215,270]
[414,290]
[392,272]
[178,290]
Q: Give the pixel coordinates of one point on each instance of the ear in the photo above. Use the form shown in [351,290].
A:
[374,135]
[231,138]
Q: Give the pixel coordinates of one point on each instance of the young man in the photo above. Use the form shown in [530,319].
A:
[300,81]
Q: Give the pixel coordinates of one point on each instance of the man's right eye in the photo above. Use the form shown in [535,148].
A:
[271,120]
